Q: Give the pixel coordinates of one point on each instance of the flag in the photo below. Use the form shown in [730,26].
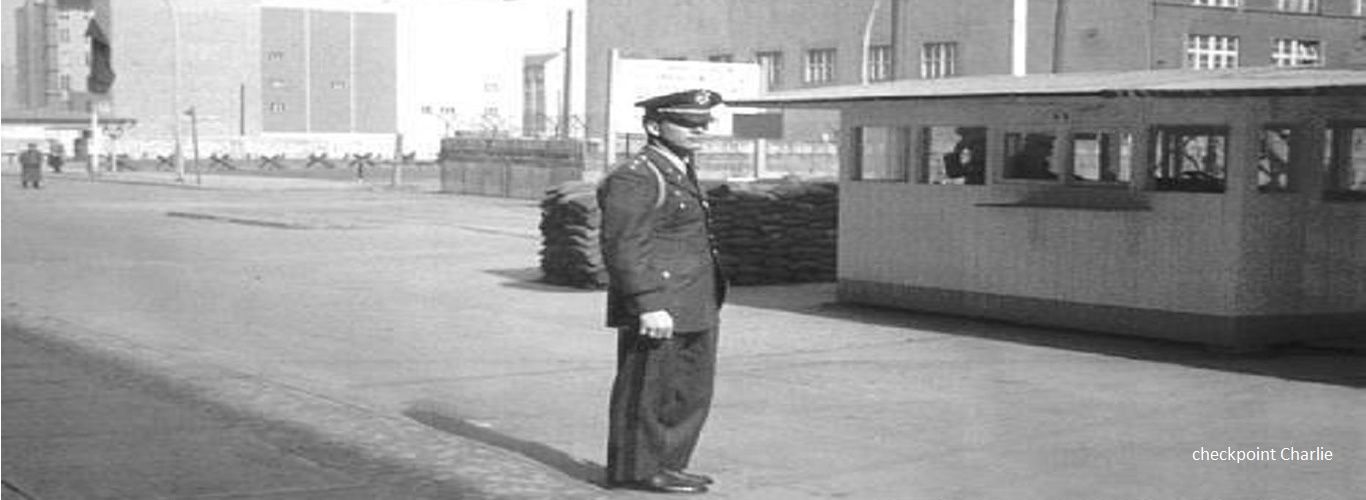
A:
[101,67]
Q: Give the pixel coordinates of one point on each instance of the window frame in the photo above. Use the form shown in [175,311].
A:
[1335,171]
[879,63]
[1114,153]
[1230,57]
[938,60]
[770,68]
[1299,6]
[1221,4]
[899,138]
[1292,142]
[1004,154]
[820,70]
[1156,160]
[925,154]
[1278,57]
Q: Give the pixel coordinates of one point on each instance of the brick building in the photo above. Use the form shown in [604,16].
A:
[812,43]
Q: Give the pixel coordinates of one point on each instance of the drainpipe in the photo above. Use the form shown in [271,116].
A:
[1019,45]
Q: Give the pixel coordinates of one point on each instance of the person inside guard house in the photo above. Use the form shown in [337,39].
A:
[664,294]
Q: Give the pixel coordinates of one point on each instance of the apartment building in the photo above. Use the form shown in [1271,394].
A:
[814,43]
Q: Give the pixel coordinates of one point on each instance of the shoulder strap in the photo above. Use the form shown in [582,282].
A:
[659,176]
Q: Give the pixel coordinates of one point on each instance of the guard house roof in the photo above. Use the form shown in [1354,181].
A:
[1261,81]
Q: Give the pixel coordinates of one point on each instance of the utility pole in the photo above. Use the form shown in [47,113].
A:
[566,100]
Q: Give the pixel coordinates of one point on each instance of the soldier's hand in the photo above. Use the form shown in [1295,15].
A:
[657,324]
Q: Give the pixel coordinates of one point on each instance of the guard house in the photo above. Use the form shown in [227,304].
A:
[1220,207]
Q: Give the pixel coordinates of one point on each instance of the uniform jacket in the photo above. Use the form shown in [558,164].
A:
[31,159]
[658,250]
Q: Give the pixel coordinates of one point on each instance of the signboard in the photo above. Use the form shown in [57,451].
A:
[633,80]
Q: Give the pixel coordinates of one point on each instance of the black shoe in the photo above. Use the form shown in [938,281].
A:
[689,476]
[664,482]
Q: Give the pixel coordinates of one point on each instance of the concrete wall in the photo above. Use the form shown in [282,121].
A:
[1190,266]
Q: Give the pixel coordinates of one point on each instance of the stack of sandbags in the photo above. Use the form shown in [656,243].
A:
[777,233]
[570,254]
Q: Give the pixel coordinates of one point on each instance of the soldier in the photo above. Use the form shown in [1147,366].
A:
[31,164]
[665,290]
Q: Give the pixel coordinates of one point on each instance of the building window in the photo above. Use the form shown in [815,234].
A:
[1273,160]
[879,67]
[1345,162]
[1190,159]
[338,84]
[879,153]
[277,107]
[939,60]
[953,155]
[1217,3]
[1029,155]
[65,82]
[1211,51]
[275,55]
[820,66]
[1292,52]
[771,68]
[721,58]
[1304,6]
[447,110]
[1102,157]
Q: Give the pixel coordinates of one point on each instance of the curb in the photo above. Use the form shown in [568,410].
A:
[463,467]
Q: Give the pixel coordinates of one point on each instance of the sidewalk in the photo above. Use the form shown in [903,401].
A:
[84,421]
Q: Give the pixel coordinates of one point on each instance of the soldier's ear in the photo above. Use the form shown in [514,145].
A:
[652,127]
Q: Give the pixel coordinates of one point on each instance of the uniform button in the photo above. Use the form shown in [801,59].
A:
[666,274]
[682,206]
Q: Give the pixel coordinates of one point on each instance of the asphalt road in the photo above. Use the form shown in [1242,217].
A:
[422,312]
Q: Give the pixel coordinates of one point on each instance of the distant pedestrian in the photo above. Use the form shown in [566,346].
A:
[56,156]
[665,290]
[31,163]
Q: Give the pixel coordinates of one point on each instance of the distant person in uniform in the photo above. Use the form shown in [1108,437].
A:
[31,164]
[968,160]
[56,156]
[665,290]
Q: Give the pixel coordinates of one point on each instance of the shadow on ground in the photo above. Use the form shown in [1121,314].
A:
[531,278]
[446,419]
[1330,362]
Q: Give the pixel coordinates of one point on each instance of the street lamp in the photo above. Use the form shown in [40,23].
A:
[175,89]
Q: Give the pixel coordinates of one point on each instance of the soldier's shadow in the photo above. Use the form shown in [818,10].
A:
[434,416]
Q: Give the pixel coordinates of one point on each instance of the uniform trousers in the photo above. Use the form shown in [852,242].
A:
[660,399]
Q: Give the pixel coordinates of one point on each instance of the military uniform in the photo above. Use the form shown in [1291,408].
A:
[660,255]
[31,165]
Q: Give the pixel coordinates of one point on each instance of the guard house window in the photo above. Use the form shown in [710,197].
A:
[275,55]
[1292,52]
[820,66]
[771,67]
[1191,159]
[1102,157]
[338,84]
[879,63]
[1273,160]
[1211,51]
[1345,162]
[1216,3]
[953,155]
[938,60]
[277,107]
[1029,155]
[879,153]
[1305,6]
